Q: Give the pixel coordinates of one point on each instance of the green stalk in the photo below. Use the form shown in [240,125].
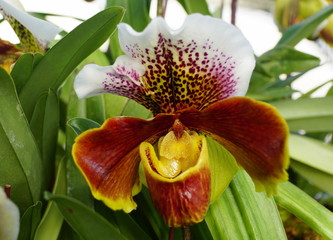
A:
[161,7]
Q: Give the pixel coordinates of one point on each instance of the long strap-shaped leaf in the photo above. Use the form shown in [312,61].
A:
[21,164]
[306,208]
[50,225]
[242,213]
[309,114]
[87,223]
[64,57]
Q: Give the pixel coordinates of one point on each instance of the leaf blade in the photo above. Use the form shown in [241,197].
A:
[82,219]
[244,214]
[62,59]
[23,157]
[311,152]
[302,205]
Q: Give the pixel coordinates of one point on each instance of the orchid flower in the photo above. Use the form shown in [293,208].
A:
[35,34]
[193,80]
[9,218]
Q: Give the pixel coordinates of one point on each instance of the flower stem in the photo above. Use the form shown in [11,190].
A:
[171,233]
[7,190]
[221,9]
[233,11]
[161,7]
[186,233]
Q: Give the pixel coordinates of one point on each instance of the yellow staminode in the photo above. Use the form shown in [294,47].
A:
[176,155]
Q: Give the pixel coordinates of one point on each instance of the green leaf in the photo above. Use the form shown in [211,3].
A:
[198,6]
[201,231]
[128,227]
[285,60]
[330,92]
[114,105]
[224,218]
[305,208]
[23,68]
[260,79]
[87,223]
[125,223]
[147,213]
[311,152]
[21,164]
[137,12]
[304,29]
[52,220]
[260,213]
[316,177]
[44,125]
[30,221]
[309,93]
[243,213]
[133,109]
[79,125]
[305,108]
[316,124]
[289,80]
[67,233]
[95,108]
[271,94]
[311,115]
[64,57]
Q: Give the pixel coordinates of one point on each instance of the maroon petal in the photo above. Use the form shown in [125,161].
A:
[252,131]
[109,159]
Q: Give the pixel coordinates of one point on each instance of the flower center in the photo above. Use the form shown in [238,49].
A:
[177,154]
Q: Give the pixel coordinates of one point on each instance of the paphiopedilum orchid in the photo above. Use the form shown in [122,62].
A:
[35,34]
[193,80]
